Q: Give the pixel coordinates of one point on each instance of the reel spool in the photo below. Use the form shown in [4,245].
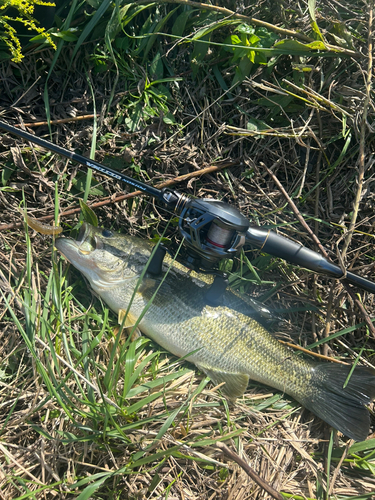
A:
[212,230]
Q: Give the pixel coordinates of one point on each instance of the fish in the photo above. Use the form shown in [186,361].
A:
[224,342]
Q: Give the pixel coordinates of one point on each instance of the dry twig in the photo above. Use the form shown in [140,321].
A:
[362,145]
[321,248]
[58,122]
[249,471]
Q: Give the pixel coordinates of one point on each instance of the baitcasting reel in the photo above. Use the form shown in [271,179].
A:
[211,230]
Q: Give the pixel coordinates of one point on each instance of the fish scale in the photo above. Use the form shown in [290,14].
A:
[245,346]
[225,342]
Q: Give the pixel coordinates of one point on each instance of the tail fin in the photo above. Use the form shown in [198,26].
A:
[343,408]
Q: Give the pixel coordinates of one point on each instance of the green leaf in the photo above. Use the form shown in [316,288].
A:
[303,68]
[68,35]
[336,334]
[133,121]
[253,40]
[6,174]
[243,69]
[158,28]
[245,28]
[178,27]
[314,25]
[220,78]
[156,66]
[267,38]
[169,119]
[91,488]
[203,32]
[316,45]
[88,214]
[80,183]
[316,30]
[235,39]
[115,23]
[91,25]
[311,6]
[94,3]
[367,445]
[148,386]
[254,125]
[199,53]
[277,101]
[291,45]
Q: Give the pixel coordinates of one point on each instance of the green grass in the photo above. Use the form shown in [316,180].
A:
[101,389]
[84,411]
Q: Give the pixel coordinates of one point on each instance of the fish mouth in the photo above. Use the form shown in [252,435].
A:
[84,232]
[87,240]
[87,254]
[86,243]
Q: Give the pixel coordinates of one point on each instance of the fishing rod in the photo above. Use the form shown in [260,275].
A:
[211,229]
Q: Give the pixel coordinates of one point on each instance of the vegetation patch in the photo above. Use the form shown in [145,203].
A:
[267,106]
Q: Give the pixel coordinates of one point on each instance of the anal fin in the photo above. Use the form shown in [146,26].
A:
[235,383]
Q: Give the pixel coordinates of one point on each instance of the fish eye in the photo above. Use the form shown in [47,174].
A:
[106,233]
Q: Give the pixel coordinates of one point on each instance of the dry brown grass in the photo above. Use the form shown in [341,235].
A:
[285,444]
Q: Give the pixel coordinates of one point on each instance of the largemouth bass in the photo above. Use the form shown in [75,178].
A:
[224,342]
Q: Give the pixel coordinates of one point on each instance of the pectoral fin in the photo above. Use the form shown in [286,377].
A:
[235,383]
[148,286]
[129,322]
[130,319]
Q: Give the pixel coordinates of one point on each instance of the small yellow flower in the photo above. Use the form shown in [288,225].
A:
[26,10]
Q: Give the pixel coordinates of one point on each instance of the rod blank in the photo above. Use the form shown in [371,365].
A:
[157,193]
